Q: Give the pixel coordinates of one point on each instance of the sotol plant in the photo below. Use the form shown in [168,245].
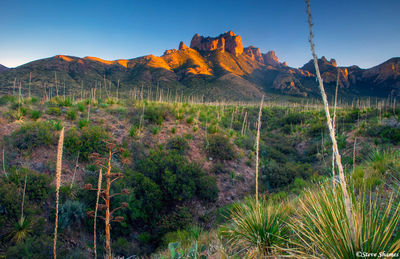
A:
[325,230]
[256,229]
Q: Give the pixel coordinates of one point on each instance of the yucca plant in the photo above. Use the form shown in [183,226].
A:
[22,229]
[324,228]
[256,230]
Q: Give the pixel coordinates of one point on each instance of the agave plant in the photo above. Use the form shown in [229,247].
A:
[324,228]
[255,230]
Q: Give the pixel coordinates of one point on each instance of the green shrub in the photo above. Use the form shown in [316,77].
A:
[32,135]
[57,124]
[212,129]
[83,123]
[173,130]
[245,141]
[317,128]
[54,111]
[180,218]
[156,130]
[81,107]
[145,201]
[5,99]
[133,131]
[87,141]
[178,179]
[293,118]
[386,133]
[155,114]
[64,102]
[190,120]
[219,147]
[178,143]
[207,189]
[72,214]
[220,168]
[36,114]
[71,114]
[40,246]
[275,175]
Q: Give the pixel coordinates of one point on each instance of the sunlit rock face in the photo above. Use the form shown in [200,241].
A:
[229,42]
[270,58]
[254,53]
[182,46]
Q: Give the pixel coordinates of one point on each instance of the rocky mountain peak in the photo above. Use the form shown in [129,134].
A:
[182,46]
[270,58]
[229,42]
[254,53]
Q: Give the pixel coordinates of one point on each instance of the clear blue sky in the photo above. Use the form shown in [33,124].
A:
[365,32]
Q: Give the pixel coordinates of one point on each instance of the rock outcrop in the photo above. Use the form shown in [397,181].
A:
[218,63]
[229,42]
[182,46]
[329,70]
[254,53]
[270,58]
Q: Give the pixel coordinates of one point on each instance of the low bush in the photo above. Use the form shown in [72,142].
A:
[155,114]
[35,114]
[219,147]
[71,114]
[32,135]
[178,144]
[72,214]
[86,141]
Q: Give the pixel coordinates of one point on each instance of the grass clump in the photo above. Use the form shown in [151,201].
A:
[256,231]
[324,228]
[54,111]
[35,114]
[71,114]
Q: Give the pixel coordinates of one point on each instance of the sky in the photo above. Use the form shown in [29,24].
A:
[354,32]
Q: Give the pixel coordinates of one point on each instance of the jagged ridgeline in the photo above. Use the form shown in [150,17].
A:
[212,68]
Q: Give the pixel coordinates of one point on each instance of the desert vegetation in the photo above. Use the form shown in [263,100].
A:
[186,183]
[118,174]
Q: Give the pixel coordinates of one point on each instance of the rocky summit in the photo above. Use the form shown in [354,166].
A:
[213,67]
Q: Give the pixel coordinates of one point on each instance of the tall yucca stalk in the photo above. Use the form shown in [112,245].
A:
[58,182]
[258,144]
[347,201]
[334,127]
[323,226]
[95,211]
[256,229]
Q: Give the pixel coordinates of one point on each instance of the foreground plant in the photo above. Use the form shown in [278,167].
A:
[324,228]
[58,183]
[257,229]
[104,193]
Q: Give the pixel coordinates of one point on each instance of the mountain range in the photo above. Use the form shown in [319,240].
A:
[212,67]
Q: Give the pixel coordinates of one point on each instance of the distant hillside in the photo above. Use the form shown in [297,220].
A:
[3,68]
[215,68]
